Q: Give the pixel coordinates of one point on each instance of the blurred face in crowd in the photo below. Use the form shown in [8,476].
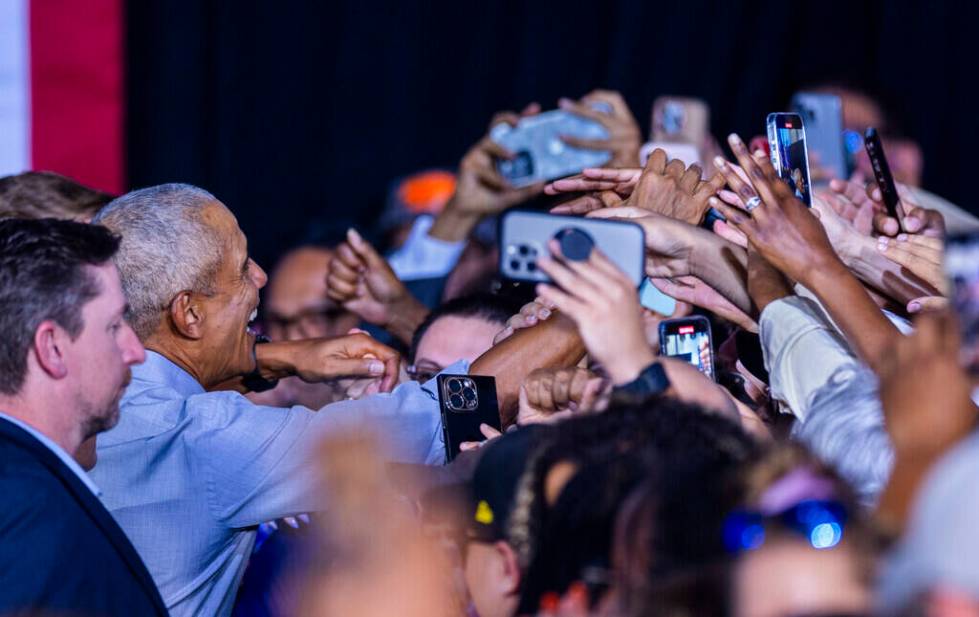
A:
[100,357]
[223,326]
[296,303]
[453,338]
[493,578]
[786,576]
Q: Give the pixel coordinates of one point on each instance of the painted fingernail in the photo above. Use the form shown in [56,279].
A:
[719,162]
[902,237]
[544,313]
[375,367]
[759,152]
[734,139]
[914,307]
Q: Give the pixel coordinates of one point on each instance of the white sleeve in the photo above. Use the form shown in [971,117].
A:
[422,256]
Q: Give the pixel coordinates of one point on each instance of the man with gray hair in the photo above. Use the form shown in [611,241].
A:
[190,472]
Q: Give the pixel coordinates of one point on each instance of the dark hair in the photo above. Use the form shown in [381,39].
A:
[495,309]
[679,445]
[39,194]
[43,277]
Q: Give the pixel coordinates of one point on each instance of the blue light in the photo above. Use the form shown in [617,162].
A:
[826,535]
[752,537]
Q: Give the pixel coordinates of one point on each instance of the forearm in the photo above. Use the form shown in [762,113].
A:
[724,267]
[451,225]
[553,343]
[876,270]
[866,328]
[902,487]
[405,319]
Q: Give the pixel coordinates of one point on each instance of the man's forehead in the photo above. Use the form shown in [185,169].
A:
[218,217]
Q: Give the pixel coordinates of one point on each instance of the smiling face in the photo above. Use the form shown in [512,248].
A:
[226,340]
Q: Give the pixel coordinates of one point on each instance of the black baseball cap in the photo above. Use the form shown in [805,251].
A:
[493,487]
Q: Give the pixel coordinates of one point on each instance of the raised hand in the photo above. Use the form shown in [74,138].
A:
[914,218]
[624,138]
[673,190]
[480,189]
[604,305]
[529,316]
[326,359]
[363,282]
[922,255]
[780,227]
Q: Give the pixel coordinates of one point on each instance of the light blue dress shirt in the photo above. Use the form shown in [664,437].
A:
[65,458]
[189,474]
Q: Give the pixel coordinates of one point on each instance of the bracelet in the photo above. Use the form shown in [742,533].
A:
[254,380]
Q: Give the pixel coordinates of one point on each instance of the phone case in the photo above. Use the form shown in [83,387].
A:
[798,150]
[541,154]
[700,324]
[524,236]
[962,270]
[882,172]
[822,115]
[655,300]
[466,402]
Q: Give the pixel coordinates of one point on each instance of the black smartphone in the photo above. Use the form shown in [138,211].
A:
[882,172]
[467,401]
[790,158]
[688,339]
[524,236]
[962,270]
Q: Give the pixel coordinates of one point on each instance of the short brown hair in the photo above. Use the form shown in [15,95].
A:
[45,194]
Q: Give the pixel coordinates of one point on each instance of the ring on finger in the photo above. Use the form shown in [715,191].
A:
[752,203]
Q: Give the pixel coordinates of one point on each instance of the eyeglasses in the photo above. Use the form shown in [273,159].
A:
[422,372]
[819,522]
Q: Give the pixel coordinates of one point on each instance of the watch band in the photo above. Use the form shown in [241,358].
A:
[650,382]
[254,380]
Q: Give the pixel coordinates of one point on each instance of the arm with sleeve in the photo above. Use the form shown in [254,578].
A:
[831,394]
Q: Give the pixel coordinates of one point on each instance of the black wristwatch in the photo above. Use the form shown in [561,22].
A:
[650,382]
[254,380]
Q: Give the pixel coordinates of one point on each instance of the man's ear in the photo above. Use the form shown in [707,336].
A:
[511,567]
[187,315]
[50,345]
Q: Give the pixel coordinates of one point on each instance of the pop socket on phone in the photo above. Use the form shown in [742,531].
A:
[576,244]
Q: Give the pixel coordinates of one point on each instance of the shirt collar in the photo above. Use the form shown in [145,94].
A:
[58,451]
[158,369]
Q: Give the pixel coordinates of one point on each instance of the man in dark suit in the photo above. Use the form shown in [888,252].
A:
[65,355]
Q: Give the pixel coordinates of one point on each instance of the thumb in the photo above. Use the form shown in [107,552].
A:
[364,250]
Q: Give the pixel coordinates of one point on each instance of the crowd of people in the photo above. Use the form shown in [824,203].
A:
[172,445]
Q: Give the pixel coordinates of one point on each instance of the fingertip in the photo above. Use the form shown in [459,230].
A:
[914,306]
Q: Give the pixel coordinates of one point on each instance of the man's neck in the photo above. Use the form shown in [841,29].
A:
[44,411]
[179,355]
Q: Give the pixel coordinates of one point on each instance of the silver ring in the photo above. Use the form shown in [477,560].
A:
[752,203]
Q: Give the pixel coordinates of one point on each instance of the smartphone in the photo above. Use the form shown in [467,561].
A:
[823,117]
[680,120]
[962,270]
[787,140]
[655,300]
[882,172]
[541,154]
[524,236]
[688,339]
[467,401]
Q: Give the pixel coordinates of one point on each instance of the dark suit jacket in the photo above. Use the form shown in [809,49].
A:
[61,552]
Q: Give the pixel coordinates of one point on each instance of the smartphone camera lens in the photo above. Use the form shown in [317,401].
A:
[515,264]
[455,386]
[456,402]
[469,394]
[531,266]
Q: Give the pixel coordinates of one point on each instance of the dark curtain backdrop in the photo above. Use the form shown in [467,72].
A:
[299,114]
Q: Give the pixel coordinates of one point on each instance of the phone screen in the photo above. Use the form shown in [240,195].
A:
[962,270]
[688,340]
[789,153]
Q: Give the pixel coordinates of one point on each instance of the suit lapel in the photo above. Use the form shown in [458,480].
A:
[90,503]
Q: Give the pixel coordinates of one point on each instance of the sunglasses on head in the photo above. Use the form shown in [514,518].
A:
[819,522]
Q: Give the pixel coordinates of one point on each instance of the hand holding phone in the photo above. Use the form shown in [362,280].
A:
[882,174]
[467,402]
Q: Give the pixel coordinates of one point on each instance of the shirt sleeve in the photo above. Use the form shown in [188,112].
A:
[422,256]
[256,460]
[833,396]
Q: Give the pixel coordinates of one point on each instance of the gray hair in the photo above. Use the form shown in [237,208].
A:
[166,248]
